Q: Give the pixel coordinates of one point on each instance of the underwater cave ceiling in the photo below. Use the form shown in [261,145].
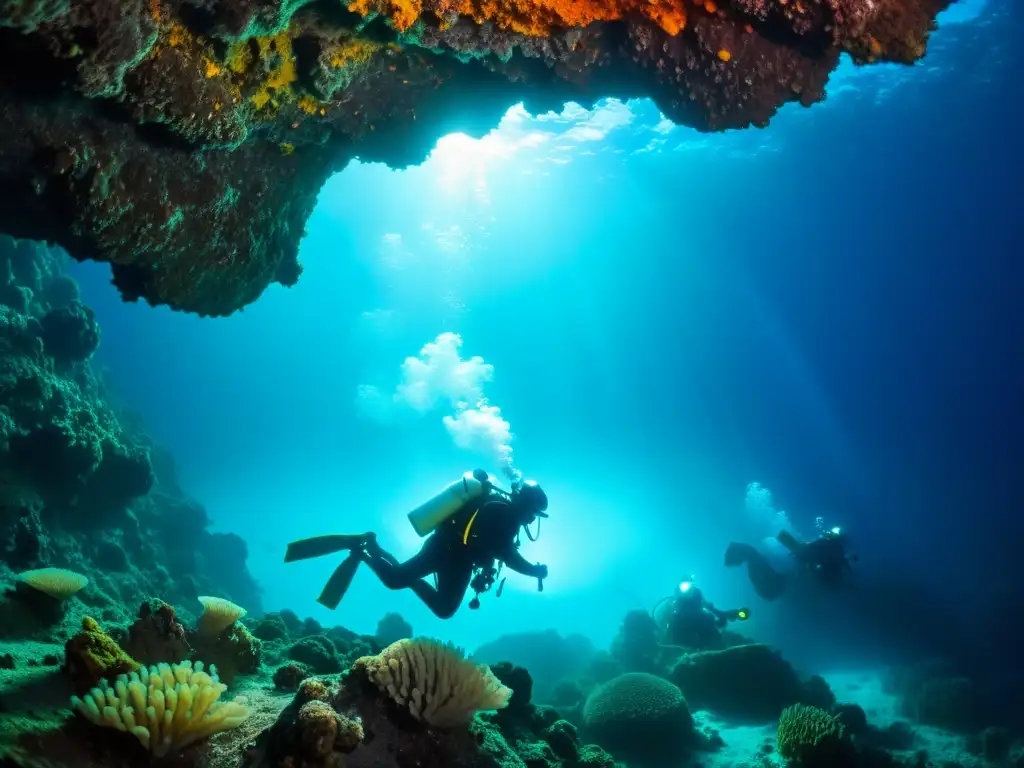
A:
[185,141]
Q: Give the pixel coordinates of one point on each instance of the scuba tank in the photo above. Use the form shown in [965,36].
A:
[430,514]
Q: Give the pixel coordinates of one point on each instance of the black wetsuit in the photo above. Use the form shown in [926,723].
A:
[697,623]
[480,533]
[826,557]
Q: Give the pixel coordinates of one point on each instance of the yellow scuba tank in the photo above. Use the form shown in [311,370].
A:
[431,513]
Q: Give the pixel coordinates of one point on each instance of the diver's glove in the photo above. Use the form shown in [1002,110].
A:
[540,571]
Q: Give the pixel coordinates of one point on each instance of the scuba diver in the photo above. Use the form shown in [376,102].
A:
[825,558]
[471,525]
[693,621]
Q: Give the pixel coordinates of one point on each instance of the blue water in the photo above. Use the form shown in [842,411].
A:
[829,307]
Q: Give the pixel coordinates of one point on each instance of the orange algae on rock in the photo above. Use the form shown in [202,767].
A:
[538,18]
[353,51]
[403,13]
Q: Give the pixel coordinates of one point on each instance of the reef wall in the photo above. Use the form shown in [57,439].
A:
[82,487]
[185,141]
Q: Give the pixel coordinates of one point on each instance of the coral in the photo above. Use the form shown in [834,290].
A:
[271,627]
[747,682]
[234,651]
[812,737]
[325,721]
[291,622]
[165,707]
[635,647]
[323,731]
[58,583]
[83,489]
[563,739]
[434,682]
[316,652]
[853,718]
[157,635]
[392,628]
[640,717]
[549,656]
[313,690]
[70,334]
[287,677]
[61,291]
[519,681]
[218,614]
[230,116]
[92,655]
[996,743]
[539,19]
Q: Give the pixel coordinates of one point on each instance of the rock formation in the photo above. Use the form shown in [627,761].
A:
[185,141]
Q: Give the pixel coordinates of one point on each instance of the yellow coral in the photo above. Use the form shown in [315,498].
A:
[165,707]
[218,615]
[58,583]
[434,681]
[308,105]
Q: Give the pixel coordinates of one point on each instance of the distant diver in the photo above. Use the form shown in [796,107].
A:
[692,621]
[824,558]
[473,528]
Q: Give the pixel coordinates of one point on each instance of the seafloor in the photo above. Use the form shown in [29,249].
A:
[108,565]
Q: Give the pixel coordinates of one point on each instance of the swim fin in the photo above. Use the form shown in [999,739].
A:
[318,546]
[336,587]
[786,539]
[737,554]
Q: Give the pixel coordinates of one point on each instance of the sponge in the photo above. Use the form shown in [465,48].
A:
[165,707]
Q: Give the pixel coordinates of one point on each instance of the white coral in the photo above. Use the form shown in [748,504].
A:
[165,707]
[436,682]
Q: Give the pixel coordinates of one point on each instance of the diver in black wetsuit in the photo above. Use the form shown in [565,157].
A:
[825,558]
[460,553]
[694,622]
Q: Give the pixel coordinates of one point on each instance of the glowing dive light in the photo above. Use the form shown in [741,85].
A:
[684,587]
[835,531]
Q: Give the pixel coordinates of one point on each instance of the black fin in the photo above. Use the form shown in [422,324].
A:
[336,587]
[318,546]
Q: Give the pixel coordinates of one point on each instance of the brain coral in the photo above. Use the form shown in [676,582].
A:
[639,716]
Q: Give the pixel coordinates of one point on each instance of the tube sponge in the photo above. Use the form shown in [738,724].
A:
[165,707]
[434,681]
